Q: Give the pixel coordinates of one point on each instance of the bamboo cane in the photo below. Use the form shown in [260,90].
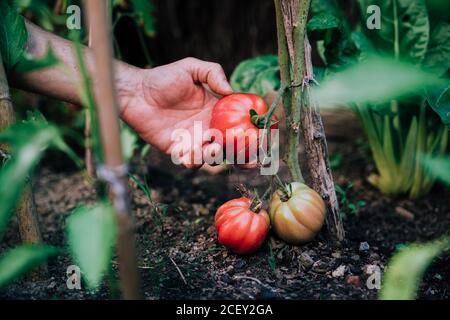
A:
[26,209]
[106,104]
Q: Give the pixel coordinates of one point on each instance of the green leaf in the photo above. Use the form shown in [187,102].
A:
[16,262]
[406,268]
[13,35]
[129,141]
[439,99]
[438,167]
[319,24]
[363,45]
[257,75]
[404,31]
[437,58]
[28,140]
[331,7]
[144,11]
[375,80]
[91,233]
[29,64]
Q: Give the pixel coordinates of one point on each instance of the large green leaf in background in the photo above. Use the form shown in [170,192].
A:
[13,35]
[438,98]
[406,268]
[145,10]
[439,167]
[375,80]
[405,28]
[437,58]
[16,262]
[28,140]
[320,24]
[257,75]
[319,7]
[91,233]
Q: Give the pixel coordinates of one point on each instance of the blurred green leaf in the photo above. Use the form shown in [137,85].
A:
[375,80]
[336,160]
[439,167]
[363,45]
[129,141]
[28,140]
[257,75]
[437,58]
[13,35]
[17,261]
[438,98]
[319,24]
[319,7]
[406,268]
[144,11]
[41,12]
[404,28]
[91,233]
[28,64]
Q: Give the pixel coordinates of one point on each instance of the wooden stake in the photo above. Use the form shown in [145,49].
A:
[301,113]
[26,209]
[316,150]
[107,109]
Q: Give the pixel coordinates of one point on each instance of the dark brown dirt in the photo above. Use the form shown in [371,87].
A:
[184,237]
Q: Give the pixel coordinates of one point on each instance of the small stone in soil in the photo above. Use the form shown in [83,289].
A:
[239,264]
[339,272]
[355,257]
[364,246]
[336,254]
[374,256]
[305,260]
[319,267]
[354,281]
[51,285]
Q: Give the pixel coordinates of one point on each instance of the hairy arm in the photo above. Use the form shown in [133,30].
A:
[154,102]
[56,83]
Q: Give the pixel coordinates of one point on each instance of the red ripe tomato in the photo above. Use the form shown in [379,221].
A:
[239,228]
[232,114]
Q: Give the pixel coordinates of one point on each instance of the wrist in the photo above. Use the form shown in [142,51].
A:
[128,84]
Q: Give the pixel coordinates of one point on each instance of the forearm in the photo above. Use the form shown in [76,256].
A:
[57,83]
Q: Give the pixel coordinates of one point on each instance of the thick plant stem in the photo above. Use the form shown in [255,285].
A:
[26,208]
[113,171]
[292,118]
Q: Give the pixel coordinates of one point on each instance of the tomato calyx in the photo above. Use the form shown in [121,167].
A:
[259,120]
[284,190]
[256,205]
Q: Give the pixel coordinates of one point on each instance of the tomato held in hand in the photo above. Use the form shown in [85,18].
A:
[298,215]
[239,228]
[241,115]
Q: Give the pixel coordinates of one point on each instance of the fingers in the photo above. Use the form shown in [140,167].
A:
[210,73]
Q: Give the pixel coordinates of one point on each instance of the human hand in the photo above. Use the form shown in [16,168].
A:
[155,102]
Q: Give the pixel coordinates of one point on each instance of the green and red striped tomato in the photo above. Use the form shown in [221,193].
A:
[298,216]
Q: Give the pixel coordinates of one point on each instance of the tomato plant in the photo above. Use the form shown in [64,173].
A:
[297,213]
[239,117]
[239,227]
